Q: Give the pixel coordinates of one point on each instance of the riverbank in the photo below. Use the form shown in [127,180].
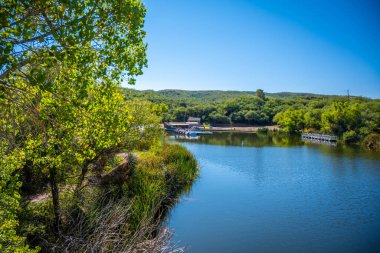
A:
[240,129]
[236,129]
[123,204]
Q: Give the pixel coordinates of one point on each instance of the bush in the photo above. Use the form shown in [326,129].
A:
[372,141]
[159,178]
[263,130]
[128,213]
[351,137]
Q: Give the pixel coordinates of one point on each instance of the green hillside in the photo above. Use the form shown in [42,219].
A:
[354,118]
[213,95]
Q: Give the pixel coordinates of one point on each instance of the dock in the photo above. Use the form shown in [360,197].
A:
[193,131]
[319,137]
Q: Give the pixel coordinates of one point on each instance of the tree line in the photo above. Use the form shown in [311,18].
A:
[354,119]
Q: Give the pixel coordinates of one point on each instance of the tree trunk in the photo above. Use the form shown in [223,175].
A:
[82,175]
[55,196]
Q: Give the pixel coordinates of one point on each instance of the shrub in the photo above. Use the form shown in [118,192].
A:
[350,137]
[263,130]
[128,214]
[372,141]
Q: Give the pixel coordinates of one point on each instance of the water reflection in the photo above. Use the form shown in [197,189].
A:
[328,143]
[243,139]
[273,193]
[276,140]
[183,137]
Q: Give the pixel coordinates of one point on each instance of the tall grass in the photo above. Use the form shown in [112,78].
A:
[159,178]
[118,218]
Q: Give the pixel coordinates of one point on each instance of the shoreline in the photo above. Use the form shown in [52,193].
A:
[250,129]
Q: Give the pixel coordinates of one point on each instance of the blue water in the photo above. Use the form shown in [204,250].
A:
[279,198]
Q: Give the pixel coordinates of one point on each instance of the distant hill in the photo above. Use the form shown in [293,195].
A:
[295,94]
[203,94]
[213,95]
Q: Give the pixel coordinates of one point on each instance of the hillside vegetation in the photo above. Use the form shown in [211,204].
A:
[213,95]
[354,119]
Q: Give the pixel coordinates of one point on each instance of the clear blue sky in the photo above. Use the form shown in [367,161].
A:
[318,46]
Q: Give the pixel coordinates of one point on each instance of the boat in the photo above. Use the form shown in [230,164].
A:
[193,131]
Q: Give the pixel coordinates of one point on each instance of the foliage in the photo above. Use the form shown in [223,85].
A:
[350,137]
[12,157]
[341,117]
[353,120]
[61,63]
[223,107]
[127,214]
[372,141]
[263,131]
[294,112]
[260,93]
[291,120]
[10,241]
[160,176]
[96,38]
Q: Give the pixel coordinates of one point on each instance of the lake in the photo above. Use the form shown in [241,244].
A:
[258,193]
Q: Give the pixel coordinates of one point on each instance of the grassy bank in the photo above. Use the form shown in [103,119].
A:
[121,217]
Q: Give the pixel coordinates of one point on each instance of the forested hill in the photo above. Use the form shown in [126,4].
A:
[214,95]
[354,118]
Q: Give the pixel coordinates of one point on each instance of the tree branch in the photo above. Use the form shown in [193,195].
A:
[8,71]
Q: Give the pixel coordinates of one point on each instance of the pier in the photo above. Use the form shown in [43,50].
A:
[319,137]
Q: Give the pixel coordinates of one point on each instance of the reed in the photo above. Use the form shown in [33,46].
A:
[117,218]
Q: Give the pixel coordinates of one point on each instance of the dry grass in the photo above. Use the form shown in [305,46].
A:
[107,229]
[118,217]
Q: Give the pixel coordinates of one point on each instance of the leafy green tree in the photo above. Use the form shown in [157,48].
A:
[312,118]
[239,116]
[360,115]
[98,39]
[12,158]
[52,54]
[260,94]
[291,120]
[350,137]
[370,114]
[340,117]
[218,118]
[10,241]
[251,116]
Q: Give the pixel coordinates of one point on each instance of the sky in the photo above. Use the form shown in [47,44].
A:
[316,46]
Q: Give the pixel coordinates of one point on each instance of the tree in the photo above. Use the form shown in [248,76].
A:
[9,205]
[340,117]
[218,118]
[312,118]
[260,94]
[290,120]
[251,116]
[12,157]
[99,39]
[52,55]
